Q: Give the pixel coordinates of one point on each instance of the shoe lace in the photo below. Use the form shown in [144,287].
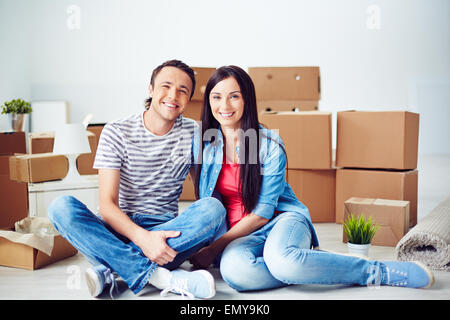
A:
[178,286]
[109,278]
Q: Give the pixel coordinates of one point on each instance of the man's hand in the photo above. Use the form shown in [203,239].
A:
[154,246]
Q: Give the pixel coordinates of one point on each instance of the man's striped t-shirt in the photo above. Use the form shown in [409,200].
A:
[152,168]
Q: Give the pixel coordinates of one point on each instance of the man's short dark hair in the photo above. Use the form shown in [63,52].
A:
[171,63]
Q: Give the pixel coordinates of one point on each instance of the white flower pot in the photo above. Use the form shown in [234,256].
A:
[359,249]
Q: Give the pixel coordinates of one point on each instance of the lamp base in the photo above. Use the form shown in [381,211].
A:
[72,173]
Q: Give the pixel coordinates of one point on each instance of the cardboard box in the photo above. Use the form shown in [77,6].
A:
[306,136]
[30,251]
[188,193]
[286,88]
[193,110]
[12,142]
[38,167]
[316,189]
[391,215]
[85,161]
[383,184]
[42,142]
[380,139]
[13,196]
[202,76]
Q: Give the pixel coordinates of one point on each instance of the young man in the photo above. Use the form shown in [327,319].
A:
[143,161]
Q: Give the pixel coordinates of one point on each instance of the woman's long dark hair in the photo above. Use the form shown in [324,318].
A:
[250,178]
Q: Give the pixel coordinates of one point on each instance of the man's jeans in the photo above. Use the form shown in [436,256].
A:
[279,254]
[199,225]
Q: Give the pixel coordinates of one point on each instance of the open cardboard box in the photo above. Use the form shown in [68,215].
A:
[392,216]
[30,250]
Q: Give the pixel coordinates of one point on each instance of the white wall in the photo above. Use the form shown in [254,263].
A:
[386,54]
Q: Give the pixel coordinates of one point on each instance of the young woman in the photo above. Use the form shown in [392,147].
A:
[270,239]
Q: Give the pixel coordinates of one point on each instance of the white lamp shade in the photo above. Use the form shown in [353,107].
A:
[71,138]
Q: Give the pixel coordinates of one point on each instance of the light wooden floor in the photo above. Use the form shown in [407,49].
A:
[65,279]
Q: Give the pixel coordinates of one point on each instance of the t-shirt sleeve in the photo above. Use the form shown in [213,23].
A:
[110,149]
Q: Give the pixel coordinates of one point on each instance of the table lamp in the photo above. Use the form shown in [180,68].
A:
[71,140]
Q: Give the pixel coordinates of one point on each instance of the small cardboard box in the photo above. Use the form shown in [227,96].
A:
[13,196]
[306,136]
[38,167]
[379,139]
[316,189]
[31,251]
[286,88]
[383,184]
[391,215]
[12,142]
[42,142]
[188,193]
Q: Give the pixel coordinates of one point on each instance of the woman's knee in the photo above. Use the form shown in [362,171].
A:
[239,270]
[286,265]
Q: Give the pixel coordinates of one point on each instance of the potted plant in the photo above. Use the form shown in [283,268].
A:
[17,109]
[359,232]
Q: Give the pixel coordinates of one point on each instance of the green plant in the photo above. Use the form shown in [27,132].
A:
[16,106]
[359,230]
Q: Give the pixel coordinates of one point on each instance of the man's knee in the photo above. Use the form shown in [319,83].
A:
[213,207]
[59,210]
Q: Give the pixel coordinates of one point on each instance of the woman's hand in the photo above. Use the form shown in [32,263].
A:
[203,258]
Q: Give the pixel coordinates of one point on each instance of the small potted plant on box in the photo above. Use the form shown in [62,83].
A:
[17,109]
[359,232]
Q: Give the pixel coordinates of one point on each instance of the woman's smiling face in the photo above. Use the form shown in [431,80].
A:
[227,103]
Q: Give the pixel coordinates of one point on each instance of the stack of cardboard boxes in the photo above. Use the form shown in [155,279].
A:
[287,99]
[377,159]
[20,253]
[376,152]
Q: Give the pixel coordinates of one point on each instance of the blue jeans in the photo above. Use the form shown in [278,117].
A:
[279,254]
[100,244]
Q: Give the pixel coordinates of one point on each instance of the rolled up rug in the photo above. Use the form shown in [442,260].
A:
[429,241]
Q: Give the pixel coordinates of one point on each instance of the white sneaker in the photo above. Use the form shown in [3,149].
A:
[195,284]
[97,278]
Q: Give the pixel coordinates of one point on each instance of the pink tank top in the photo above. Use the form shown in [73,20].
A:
[228,187]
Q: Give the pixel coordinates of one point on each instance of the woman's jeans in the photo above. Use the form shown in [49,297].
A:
[100,244]
[279,254]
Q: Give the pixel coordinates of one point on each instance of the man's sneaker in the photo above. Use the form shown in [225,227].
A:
[97,278]
[407,274]
[195,284]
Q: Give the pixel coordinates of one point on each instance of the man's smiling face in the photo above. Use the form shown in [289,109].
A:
[170,93]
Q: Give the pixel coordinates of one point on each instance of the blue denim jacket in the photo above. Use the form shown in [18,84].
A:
[275,194]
